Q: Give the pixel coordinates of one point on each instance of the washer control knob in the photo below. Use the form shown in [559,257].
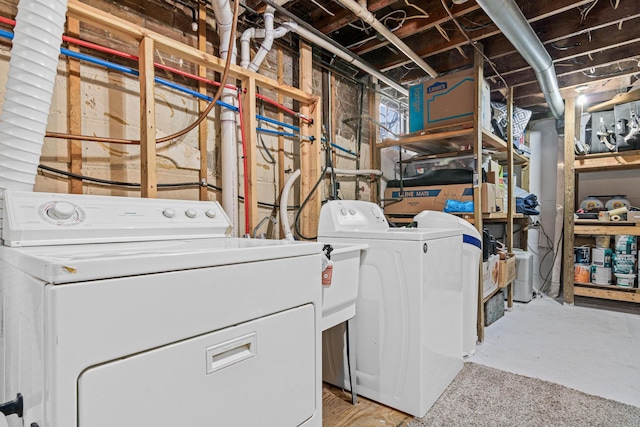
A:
[343,211]
[169,213]
[352,211]
[61,211]
[210,213]
[191,213]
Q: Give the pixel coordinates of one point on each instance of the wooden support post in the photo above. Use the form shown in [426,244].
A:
[202,104]
[374,136]
[569,198]
[74,105]
[281,178]
[511,185]
[249,123]
[148,181]
[309,150]
[477,184]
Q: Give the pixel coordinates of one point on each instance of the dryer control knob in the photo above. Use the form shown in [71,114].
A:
[210,213]
[352,211]
[61,211]
[169,213]
[343,211]
[191,213]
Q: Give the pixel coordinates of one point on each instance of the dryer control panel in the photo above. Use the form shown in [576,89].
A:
[351,215]
[37,219]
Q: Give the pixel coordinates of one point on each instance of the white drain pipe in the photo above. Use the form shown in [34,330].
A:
[30,82]
[245,50]
[368,17]
[284,198]
[228,128]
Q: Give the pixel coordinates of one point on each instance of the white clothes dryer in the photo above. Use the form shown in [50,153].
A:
[408,322]
[165,322]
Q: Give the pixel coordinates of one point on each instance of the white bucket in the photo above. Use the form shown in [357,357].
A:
[626,280]
[600,275]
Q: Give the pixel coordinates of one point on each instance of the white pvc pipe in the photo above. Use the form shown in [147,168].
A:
[355,172]
[265,47]
[368,17]
[312,38]
[255,33]
[30,82]
[228,127]
[284,198]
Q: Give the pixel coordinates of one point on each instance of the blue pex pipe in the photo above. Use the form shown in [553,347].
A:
[163,82]
[346,150]
[291,135]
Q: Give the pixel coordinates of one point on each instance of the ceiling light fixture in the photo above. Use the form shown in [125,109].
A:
[581,88]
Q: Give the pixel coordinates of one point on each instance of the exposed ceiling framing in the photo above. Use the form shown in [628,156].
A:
[594,43]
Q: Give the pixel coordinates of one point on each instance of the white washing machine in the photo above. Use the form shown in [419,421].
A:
[142,312]
[408,322]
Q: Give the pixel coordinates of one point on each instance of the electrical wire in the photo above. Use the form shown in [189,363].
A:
[136,185]
[193,125]
[304,203]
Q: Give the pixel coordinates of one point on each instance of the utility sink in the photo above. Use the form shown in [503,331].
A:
[339,299]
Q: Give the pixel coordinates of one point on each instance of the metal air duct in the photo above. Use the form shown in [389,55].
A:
[513,24]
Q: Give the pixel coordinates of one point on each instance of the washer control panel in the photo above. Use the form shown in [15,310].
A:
[34,219]
[349,215]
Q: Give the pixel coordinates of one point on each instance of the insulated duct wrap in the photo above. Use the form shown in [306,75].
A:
[31,78]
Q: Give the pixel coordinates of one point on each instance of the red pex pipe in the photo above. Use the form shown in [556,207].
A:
[121,54]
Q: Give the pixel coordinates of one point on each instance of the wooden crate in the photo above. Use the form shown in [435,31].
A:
[507,270]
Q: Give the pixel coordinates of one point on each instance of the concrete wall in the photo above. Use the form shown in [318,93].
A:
[110,107]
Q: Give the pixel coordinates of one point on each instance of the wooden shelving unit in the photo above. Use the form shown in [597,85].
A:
[596,163]
[464,139]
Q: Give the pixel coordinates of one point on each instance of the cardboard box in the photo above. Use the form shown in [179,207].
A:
[431,197]
[489,198]
[633,216]
[434,197]
[447,100]
[494,173]
[490,275]
[501,193]
[507,270]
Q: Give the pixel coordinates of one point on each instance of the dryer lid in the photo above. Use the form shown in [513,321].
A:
[79,263]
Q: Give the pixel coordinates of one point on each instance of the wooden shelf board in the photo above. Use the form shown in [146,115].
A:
[488,217]
[607,161]
[452,139]
[610,292]
[608,230]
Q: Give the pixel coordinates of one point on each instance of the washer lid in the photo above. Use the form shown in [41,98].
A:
[407,234]
[77,263]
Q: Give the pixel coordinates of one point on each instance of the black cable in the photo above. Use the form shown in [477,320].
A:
[304,203]
[264,146]
[136,185]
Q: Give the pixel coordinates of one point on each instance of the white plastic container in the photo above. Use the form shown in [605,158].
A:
[625,280]
[339,299]
[523,285]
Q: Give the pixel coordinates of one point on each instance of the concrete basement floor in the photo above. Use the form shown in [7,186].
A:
[588,349]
